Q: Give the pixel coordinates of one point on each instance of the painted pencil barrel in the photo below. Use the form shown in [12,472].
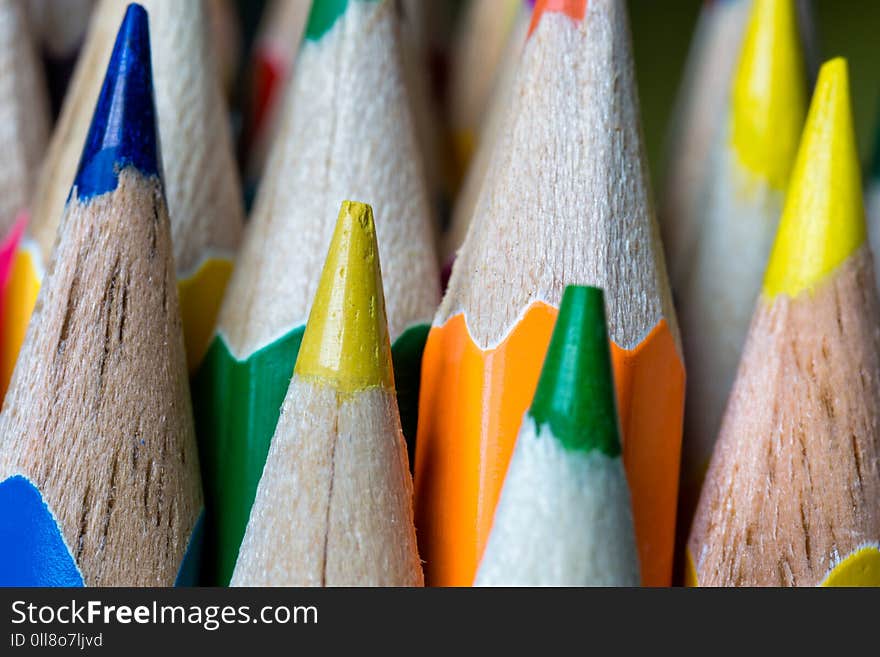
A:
[98,461]
[471,402]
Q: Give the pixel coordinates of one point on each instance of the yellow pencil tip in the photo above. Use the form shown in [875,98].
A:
[768,100]
[823,221]
[346,343]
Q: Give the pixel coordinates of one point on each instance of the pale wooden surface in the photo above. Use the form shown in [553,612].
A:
[564,518]
[68,136]
[795,478]
[720,285]
[334,505]
[98,412]
[202,187]
[566,199]
[346,134]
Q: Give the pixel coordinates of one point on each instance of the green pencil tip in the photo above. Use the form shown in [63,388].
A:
[575,394]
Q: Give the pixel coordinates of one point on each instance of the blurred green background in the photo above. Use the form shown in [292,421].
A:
[661,35]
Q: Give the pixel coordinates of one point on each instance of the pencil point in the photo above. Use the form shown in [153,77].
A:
[123,129]
[823,221]
[575,393]
[346,339]
[769,95]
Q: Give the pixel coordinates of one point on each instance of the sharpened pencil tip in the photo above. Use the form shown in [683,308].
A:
[346,343]
[123,131]
[823,221]
[769,101]
[575,396]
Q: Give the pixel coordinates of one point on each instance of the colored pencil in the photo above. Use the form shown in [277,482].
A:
[790,498]
[347,129]
[478,46]
[466,199]
[53,184]
[565,201]
[745,190]
[203,189]
[24,108]
[334,505]
[203,194]
[564,516]
[274,54]
[702,98]
[98,461]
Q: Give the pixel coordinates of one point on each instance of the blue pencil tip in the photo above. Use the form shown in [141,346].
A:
[123,131]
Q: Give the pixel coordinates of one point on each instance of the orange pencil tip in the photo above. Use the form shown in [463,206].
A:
[574,9]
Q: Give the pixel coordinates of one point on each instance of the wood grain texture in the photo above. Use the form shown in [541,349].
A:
[346,132]
[203,191]
[334,506]
[566,198]
[98,413]
[795,478]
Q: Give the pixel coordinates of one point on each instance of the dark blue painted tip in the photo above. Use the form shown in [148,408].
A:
[123,131]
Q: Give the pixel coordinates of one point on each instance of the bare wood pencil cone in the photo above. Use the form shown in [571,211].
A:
[52,185]
[790,498]
[346,131]
[203,191]
[68,135]
[99,474]
[334,505]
